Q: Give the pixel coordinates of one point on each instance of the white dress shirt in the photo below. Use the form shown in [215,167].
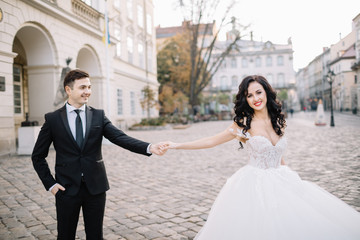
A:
[71,117]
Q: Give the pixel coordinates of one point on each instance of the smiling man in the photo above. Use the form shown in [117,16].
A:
[77,130]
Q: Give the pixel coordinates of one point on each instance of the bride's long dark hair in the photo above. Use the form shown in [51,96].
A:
[244,113]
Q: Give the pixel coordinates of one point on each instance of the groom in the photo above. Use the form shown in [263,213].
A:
[76,131]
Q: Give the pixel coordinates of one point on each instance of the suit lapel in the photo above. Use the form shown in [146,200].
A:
[66,124]
[89,114]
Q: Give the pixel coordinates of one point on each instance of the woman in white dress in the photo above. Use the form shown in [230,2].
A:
[266,200]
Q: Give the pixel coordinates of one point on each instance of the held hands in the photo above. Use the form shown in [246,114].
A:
[162,147]
[159,148]
[57,188]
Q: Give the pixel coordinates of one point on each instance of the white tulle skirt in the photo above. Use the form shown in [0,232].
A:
[275,204]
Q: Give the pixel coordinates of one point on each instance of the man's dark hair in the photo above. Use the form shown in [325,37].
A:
[74,75]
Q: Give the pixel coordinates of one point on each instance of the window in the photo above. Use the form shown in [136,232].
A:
[130,48]
[88,2]
[233,62]
[117,4]
[234,81]
[270,79]
[268,61]
[117,35]
[223,83]
[141,54]
[244,63]
[140,16]
[17,77]
[281,80]
[129,6]
[119,102]
[280,60]
[149,24]
[258,62]
[223,64]
[132,103]
[149,58]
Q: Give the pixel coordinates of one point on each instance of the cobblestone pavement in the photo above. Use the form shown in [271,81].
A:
[169,197]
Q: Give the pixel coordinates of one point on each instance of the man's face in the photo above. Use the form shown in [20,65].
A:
[79,94]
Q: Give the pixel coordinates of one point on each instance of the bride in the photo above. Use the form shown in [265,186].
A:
[266,200]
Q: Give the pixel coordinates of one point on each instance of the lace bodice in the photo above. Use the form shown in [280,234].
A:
[262,153]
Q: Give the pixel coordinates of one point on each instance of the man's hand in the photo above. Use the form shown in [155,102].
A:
[159,148]
[56,188]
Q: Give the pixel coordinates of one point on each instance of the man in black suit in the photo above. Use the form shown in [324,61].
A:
[77,130]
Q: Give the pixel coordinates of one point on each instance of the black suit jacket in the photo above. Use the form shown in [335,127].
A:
[71,160]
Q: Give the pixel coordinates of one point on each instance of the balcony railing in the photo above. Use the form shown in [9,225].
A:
[86,13]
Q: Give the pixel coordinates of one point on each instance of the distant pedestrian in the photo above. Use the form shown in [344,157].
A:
[266,200]
[77,130]
[291,112]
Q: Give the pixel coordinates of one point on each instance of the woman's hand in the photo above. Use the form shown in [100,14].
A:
[170,145]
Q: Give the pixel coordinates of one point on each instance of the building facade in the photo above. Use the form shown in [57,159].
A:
[339,59]
[249,57]
[39,36]
[356,66]
[273,61]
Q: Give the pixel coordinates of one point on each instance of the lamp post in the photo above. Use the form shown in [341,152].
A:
[330,77]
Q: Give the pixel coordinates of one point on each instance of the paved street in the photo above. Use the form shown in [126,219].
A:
[169,197]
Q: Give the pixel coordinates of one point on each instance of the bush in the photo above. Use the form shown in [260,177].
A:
[151,122]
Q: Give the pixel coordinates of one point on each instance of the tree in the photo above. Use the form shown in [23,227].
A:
[205,57]
[149,99]
[173,73]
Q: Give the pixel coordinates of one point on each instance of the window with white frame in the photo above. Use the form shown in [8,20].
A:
[270,79]
[129,6]
[244,63]
[281,80]
[88,2]
[234,81]
[120,102]
[280,60]
[132,103]
[140,16]
[223,64]
[149,27]
[268,61]
[223,82]
[130,48]
[149,59]
[117,35]
[17,81]
[233,62]
[258,62]
[141,54]
[117,4]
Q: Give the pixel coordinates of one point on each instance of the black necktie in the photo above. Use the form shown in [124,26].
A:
[79,129]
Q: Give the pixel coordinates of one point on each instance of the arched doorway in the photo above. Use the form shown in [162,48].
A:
[88,60]
[34,73]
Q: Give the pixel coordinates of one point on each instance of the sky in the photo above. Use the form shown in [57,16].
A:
[311,24]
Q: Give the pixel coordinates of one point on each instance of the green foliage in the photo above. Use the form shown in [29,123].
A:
[282,95]
[151,122]
[149,99]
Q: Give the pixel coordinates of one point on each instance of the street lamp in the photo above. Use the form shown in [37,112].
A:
[330,77]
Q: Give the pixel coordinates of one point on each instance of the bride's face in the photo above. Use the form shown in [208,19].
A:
[256,96]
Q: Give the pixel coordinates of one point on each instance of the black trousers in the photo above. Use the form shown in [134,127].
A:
[68,210]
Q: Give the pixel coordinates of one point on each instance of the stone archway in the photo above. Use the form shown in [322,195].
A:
[88,60]
[36,62]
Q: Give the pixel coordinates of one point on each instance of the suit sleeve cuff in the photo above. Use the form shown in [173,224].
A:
[52,187]
[148,149]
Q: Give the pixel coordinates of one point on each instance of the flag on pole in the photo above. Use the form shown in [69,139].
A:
[106,33]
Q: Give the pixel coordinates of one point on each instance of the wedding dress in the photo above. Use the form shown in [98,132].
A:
[268,201]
